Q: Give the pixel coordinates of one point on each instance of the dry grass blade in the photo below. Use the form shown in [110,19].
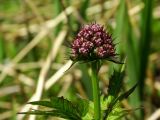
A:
[46,67]
[9,90]
[26,80]
[28,65]
[97,8]
[43,33]
[5,115]
[35,10]
[58,75]
[9,70]
[155,115]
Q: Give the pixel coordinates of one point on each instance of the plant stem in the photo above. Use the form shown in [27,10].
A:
[95,89]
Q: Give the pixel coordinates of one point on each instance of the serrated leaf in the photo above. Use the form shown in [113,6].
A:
[42,103]
[113,112]
[82,107]
[61,108]
[66,107]
[90,113]
[115,83]
[54,113]
[38,112]
[119,115]
[126,94]
[121,97]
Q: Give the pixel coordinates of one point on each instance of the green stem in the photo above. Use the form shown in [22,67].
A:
[95,90]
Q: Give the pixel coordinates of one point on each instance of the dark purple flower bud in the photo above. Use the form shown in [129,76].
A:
[92,43]
[84,51]
[98,42]
[101,52]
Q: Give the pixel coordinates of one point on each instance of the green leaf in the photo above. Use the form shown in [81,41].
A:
[115,83]
[90,113]
[117,116]
[62,108]
[84,6]
[54,113]
[82,107]
[65,107]
[145,43]
[38,112]
[113,112]
[116,100]
[42,103]
[126,94]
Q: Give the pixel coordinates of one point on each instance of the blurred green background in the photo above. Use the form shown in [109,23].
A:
[32,34]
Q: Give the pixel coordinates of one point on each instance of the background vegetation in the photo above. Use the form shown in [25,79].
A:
[33,58]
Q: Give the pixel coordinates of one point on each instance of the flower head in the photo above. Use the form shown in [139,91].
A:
[92,43]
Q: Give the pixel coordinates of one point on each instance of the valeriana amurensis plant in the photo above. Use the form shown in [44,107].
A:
[91,46]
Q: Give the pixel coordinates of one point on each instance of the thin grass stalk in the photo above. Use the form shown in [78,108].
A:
[118,34]
[84,6]
[1,48]
[144,46]
[132,59]
[132,66]
[145,42]
[57,9]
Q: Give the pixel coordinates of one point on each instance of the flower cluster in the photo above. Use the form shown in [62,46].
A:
[92,43]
